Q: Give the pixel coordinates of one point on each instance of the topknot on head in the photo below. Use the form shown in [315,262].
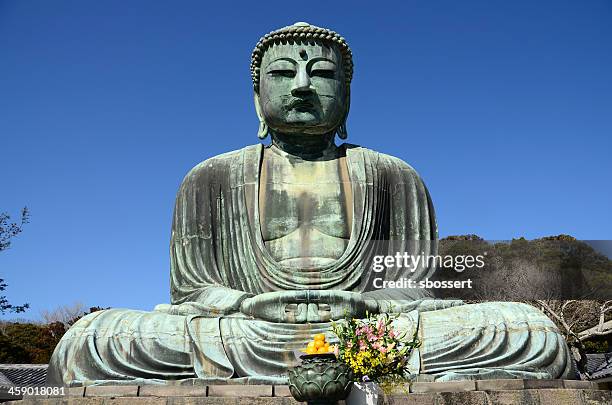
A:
[304,32]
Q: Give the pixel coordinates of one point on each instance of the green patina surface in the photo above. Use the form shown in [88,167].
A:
[271,243]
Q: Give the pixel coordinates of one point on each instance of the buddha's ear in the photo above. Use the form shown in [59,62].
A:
[262,133]
[341,130]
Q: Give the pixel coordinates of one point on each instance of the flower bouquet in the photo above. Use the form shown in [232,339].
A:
[373,349]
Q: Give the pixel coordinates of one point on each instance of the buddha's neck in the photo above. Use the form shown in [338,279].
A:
[305,146]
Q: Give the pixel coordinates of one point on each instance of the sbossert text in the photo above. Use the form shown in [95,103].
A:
[423,284]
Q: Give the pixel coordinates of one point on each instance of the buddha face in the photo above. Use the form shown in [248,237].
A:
[302,88]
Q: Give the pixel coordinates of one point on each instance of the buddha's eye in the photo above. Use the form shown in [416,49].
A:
[282,73]
[323,68]
[326,73]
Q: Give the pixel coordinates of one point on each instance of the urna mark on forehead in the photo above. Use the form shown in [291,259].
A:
[302,52]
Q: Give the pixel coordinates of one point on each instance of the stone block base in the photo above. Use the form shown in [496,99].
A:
[490,392]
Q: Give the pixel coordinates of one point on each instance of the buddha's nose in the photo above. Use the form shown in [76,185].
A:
[301,84]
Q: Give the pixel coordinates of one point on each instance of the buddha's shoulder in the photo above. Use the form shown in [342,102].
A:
[224,162]
[383,161]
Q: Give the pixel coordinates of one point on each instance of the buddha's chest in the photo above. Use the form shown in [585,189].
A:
[305,197]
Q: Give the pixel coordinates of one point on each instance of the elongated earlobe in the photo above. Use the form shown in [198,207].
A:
[341,131]
[262,133]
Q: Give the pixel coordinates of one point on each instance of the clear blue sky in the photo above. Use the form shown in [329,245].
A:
[504,107]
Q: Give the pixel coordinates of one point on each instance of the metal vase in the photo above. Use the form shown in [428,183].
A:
[320,379]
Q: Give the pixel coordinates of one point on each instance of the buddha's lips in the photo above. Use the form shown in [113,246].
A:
[301,104]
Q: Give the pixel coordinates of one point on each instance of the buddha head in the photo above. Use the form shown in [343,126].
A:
[301,77]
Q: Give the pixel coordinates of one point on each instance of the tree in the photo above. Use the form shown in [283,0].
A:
[9,230]
[573,316]
[67,314]
[6,306]
[34,343]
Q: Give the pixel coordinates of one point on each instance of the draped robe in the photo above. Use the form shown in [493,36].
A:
[218,258]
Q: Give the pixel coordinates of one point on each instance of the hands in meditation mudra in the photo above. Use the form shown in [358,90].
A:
[272,243]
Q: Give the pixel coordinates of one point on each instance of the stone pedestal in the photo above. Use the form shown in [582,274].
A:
[489,392]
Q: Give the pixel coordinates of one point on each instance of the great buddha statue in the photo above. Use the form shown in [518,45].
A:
[272,242]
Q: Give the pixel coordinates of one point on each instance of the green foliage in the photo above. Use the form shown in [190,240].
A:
[32,343]
[25,343]
[602,346]
[471,236]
